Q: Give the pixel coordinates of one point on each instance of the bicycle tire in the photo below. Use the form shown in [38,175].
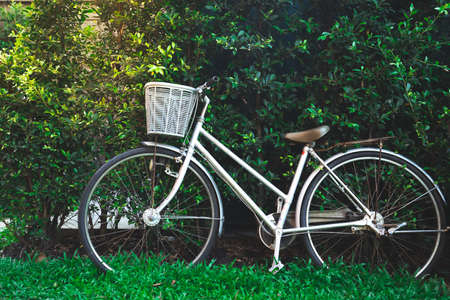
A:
[398,190]
[113,202]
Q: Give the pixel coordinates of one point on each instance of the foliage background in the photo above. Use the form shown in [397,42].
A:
[72,96]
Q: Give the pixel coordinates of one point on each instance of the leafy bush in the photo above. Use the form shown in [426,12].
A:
[44,119]
[379,74]
[245,43]
[374,72]
[7,238]
[11,19]
[72,97]
[53,135]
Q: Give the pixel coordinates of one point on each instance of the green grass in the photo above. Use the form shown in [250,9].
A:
[77,278]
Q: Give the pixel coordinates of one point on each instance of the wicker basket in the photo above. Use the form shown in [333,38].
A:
[169,108]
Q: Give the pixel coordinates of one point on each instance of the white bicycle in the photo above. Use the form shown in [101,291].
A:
[367,205]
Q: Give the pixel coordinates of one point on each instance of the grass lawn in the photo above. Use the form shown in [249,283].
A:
[77,278]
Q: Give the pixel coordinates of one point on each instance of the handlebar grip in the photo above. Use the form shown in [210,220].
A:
[213,79]
[208,84]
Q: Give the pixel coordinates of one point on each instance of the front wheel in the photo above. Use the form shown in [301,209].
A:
[114,204]
[408,206]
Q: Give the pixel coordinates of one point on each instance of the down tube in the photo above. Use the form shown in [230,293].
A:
[234,185]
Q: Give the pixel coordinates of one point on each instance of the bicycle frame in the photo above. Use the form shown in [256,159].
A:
[277,228]
[287,198]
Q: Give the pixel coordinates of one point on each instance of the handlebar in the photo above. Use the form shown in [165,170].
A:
[207,85]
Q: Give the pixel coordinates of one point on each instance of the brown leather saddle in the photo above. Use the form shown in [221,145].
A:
[307,136]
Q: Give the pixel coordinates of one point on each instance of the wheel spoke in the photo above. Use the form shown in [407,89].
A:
[410,202]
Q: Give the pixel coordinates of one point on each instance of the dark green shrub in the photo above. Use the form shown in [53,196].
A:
[11,18]
[72,97]
[256,47]
[368,68]
[378,73]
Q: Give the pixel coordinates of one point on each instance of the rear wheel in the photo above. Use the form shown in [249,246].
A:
[114,210]
[407,205]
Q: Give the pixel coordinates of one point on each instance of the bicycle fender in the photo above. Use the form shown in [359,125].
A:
[195,161]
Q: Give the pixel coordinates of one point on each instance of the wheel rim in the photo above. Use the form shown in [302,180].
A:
[379,180]
[113,215]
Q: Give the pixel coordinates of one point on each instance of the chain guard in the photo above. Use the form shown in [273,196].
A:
[267,237]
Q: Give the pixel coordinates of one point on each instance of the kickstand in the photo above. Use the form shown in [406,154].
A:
[276,266]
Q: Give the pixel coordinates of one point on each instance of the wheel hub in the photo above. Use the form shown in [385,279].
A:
[151,217]
[379,224]
[378,220]
[374,223]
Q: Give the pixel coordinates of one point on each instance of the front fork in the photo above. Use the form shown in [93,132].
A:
[183,169]
[187,159]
